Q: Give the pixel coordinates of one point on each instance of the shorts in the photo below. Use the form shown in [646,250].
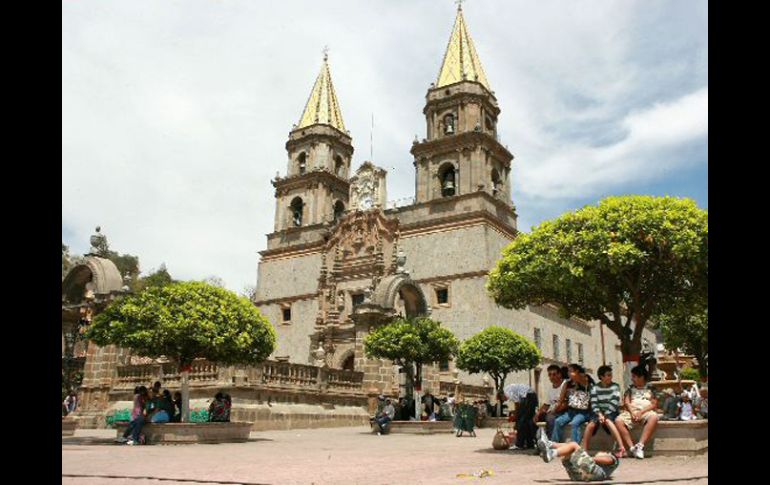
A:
[626,417]
[611,416]
[582,468]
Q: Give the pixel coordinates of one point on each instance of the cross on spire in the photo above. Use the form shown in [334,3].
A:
[459,4]
[325,51]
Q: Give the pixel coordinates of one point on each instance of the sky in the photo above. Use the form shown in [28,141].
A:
[175,113]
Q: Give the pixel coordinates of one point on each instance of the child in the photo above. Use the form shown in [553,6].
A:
[640,402]
[703,408]
[686,412]
[605,407]
[579,464]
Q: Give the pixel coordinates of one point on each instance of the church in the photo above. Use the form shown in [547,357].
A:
[342,259]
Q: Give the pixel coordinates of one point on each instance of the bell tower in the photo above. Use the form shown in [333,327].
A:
[461,152]
[315,189]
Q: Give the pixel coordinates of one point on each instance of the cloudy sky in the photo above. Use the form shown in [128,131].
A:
[175,113]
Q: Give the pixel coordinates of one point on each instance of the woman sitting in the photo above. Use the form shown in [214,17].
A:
[219,409]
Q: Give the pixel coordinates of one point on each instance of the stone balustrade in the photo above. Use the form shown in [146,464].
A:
[286,374]
[469,392]
[268,375]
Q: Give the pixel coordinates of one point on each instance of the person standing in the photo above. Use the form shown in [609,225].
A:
[525,401]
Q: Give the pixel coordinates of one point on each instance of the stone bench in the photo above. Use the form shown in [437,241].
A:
[186,433]
[68,426]
[416,427]
[671,438]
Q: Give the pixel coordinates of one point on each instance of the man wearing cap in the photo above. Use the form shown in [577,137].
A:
[385,416]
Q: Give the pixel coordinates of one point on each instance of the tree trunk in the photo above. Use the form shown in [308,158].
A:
[185,395]
[499,382]
[631,351]
[418,391]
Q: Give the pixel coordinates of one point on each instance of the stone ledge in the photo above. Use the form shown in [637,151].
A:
[68,426]
[671,438]
[418,427]
[491,422]
[187,433]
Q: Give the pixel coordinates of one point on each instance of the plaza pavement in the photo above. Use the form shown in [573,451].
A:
[337,456]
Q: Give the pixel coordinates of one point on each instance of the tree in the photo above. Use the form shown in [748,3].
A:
[412,342]
[215,281]
[688,331]
[497,351]
[250,292]
[66,263]
[157,279]
[184,321]
[619,262]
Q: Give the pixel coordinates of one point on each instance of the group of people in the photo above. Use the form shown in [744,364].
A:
[151,405]
[575,398]
[156,405]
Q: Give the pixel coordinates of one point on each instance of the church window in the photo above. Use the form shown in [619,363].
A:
[302,163]
[286,314]
[339,209]
[449,124]
[349,363]
[296,211]
[556,347]
[358,298]
[568,345]
[448,181]
[443,366]
[538,338]
[496,183]
[580,353]
[339,166]
[442,296]
[490,125]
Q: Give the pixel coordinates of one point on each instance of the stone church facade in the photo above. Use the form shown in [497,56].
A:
[341,260]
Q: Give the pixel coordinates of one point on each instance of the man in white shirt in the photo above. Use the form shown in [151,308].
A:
[548,411]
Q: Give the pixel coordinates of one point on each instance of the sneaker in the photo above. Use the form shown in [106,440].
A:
[130,443]
[543,438]
[548,454]
[640,452]
[636,452]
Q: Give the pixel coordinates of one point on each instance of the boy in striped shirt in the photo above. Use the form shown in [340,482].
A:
[605,407]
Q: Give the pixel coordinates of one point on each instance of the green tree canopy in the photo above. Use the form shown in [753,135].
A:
[497,351]
[688,331]
[415,341]
[156,279]
[184,321]
[619,262]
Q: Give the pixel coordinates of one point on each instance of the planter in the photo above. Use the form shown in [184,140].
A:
[188,433]
[68,426]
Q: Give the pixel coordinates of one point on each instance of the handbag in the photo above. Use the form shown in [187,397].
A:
[579,400]
[500,440]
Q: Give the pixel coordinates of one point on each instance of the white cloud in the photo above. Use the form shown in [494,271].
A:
[175,114]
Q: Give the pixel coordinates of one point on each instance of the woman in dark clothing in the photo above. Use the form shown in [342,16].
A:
[177,416]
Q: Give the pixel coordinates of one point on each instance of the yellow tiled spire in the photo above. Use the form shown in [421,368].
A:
[461,61]
[322,106]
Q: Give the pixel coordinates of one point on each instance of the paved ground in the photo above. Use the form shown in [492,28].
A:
[337,456]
